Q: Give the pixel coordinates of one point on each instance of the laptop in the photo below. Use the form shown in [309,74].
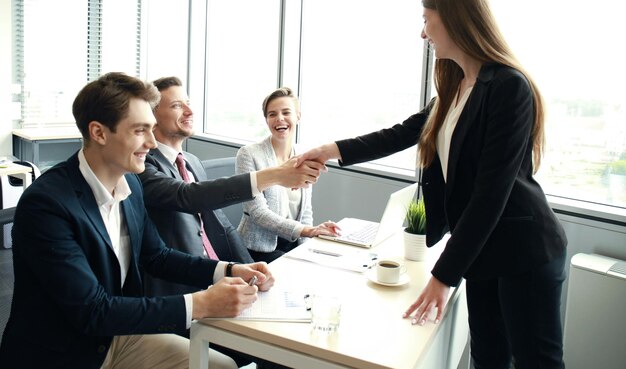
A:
[363,233]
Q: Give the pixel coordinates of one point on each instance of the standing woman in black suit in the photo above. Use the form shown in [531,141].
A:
[480,142]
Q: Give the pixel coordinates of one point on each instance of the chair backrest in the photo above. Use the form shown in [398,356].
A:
[224,167]
[6,215]
[35,172]
[6,273]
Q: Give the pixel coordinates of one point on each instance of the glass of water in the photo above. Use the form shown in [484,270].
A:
[326,313]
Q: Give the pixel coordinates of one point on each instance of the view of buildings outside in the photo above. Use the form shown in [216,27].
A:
[357,73]
[575,52]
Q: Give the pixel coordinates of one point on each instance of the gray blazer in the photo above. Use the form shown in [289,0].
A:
[173,206]
[260,224]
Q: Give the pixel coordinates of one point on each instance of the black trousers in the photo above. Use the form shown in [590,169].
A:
[517,319]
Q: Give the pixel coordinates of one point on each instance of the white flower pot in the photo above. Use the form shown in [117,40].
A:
[414,246]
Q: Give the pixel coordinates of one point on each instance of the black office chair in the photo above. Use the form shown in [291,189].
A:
[6,215]
[6,272]
[10,190]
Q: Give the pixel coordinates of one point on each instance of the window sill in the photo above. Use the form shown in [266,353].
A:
[600,212]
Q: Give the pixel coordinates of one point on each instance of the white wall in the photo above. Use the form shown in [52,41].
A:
[6,125]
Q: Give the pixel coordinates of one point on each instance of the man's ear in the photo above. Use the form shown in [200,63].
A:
[97,132]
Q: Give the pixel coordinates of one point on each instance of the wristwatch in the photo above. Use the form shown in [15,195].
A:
[229,268]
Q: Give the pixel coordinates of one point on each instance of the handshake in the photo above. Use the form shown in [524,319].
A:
[303,170]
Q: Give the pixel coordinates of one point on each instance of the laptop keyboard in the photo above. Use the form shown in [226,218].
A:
[366,234]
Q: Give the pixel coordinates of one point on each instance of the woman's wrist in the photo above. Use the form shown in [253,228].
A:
[306,231]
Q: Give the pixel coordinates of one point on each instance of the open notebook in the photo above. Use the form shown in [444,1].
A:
[359,232]
[276,305]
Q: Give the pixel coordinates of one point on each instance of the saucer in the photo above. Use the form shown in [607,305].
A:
[404,279]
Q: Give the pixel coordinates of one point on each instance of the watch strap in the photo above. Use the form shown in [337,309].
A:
[229,268]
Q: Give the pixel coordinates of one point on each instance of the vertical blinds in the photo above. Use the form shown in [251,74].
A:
[94,39]
[55,56]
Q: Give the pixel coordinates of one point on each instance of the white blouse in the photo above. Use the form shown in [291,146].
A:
[447,129]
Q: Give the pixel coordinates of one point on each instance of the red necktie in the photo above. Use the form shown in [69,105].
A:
[180,163]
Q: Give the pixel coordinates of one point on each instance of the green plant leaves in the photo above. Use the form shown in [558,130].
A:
[416,217]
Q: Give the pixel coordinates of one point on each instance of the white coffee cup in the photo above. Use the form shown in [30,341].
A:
[389,271]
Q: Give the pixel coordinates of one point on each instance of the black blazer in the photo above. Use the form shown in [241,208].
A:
[68,302]
[173,206]
[498,215]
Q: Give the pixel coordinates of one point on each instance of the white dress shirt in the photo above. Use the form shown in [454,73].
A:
[113,218]
[109,206]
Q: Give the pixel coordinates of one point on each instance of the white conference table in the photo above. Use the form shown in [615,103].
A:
[372,333]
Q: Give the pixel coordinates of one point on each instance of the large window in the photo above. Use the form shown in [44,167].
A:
[361,69]
[55,57]
[242,65]
[50,59]
[357,66]
[578,66]
[353,73]
[166,35]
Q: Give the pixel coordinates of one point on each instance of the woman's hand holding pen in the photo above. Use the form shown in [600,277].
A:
[327,228]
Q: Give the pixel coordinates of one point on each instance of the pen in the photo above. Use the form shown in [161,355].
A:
[252,280]
[323,252]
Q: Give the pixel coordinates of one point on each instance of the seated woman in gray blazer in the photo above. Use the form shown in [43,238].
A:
[276,219]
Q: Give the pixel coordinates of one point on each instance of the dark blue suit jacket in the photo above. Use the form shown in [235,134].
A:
[68,302]
[500,220]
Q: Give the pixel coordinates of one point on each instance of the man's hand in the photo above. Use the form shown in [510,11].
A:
[265,280]
[225,299]
[320,154]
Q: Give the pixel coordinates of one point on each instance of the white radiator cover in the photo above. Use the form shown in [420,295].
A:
[595,318]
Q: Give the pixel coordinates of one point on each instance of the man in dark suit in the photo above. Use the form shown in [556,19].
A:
[81,235]
[183,211]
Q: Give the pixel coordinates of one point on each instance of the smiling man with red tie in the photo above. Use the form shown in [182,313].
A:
[185,206]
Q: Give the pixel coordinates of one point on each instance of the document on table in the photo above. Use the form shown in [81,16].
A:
[356,260]
[277,305]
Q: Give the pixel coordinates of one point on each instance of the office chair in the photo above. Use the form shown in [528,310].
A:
[224,167]
[6,273]
[10,191]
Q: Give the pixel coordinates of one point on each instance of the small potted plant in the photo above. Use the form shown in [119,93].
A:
[415,231]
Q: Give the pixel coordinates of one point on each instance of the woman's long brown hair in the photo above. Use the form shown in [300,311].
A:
[472,27]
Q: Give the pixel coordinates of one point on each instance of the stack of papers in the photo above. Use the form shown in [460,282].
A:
[276,305]
[356,260]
